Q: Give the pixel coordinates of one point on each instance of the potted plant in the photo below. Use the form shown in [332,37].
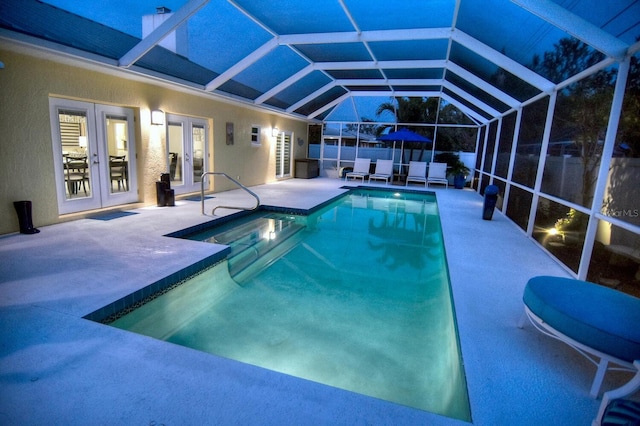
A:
[459,172]
[455,168]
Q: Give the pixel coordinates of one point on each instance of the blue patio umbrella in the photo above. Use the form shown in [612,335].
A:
[404,135]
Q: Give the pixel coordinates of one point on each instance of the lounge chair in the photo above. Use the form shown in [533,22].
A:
[417,172]
[438,174]
[360,169]
[614,411]
[592,319]
[384,171]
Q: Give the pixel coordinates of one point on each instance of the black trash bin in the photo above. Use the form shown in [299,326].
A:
[161,189]
[490,199]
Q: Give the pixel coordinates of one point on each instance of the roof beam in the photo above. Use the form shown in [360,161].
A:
[313,95]
[283,85]
[366,36]
[331,104]
[472,99]
[579,28]
[164,29]
[240,66]
[503,61]
[483,85]
[389,82]
[365,65]
[466,110]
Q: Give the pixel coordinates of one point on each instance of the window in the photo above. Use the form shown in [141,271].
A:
[255,136]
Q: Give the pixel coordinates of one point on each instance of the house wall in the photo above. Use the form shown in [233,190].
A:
[28,80]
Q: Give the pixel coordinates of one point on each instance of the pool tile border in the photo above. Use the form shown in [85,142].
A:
[114,310]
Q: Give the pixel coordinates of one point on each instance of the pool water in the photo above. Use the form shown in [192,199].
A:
[355,296]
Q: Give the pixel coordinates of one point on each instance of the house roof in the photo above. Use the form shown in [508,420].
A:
[320,59]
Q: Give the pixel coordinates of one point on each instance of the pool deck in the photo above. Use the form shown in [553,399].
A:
[58,368]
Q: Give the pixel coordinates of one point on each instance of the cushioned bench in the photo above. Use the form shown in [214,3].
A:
[595,320]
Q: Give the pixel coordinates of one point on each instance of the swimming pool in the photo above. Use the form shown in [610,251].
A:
[355,295]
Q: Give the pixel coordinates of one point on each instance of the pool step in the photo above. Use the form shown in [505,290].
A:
[257,242]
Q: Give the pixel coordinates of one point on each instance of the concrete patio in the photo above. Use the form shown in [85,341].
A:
[58,368]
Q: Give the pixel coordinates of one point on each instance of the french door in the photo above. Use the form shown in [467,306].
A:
[283,155]
[94,155]
[187,142]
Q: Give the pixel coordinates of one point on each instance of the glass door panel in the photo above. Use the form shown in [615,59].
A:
[73,138]
[117,156]
[117,137]
[175,140]
[73,130]
[283,155]
[198,138]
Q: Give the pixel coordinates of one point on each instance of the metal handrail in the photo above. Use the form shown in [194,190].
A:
[213,212]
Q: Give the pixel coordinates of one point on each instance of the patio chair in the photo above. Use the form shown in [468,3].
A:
[438,174]
[417,172]
[360,169]
[591,318]
[614,411]
[384,171]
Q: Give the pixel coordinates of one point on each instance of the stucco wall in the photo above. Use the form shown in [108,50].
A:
[27,82]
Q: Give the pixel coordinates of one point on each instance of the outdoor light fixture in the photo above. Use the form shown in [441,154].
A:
[157,117]
[274,132]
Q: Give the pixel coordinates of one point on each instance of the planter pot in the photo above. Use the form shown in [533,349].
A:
[459,181]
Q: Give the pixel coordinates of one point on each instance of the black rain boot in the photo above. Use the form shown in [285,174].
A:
[23,208]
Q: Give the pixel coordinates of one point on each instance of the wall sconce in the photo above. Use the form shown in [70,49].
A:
[274,132]
[157,117]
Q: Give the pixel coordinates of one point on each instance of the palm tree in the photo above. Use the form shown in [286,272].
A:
[411,110]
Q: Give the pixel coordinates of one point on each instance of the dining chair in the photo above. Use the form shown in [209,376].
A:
[76,174]
[118,171]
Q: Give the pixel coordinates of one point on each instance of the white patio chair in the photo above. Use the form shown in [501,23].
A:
[417,172]
[437,174]
[360,169]
[384,171]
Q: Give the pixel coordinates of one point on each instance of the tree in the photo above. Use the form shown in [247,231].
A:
[629,126]
[582,108]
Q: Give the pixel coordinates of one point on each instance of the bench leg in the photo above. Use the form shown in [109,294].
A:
[597,381]
[523,320]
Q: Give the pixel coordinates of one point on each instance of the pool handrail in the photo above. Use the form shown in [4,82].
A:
[213,212]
